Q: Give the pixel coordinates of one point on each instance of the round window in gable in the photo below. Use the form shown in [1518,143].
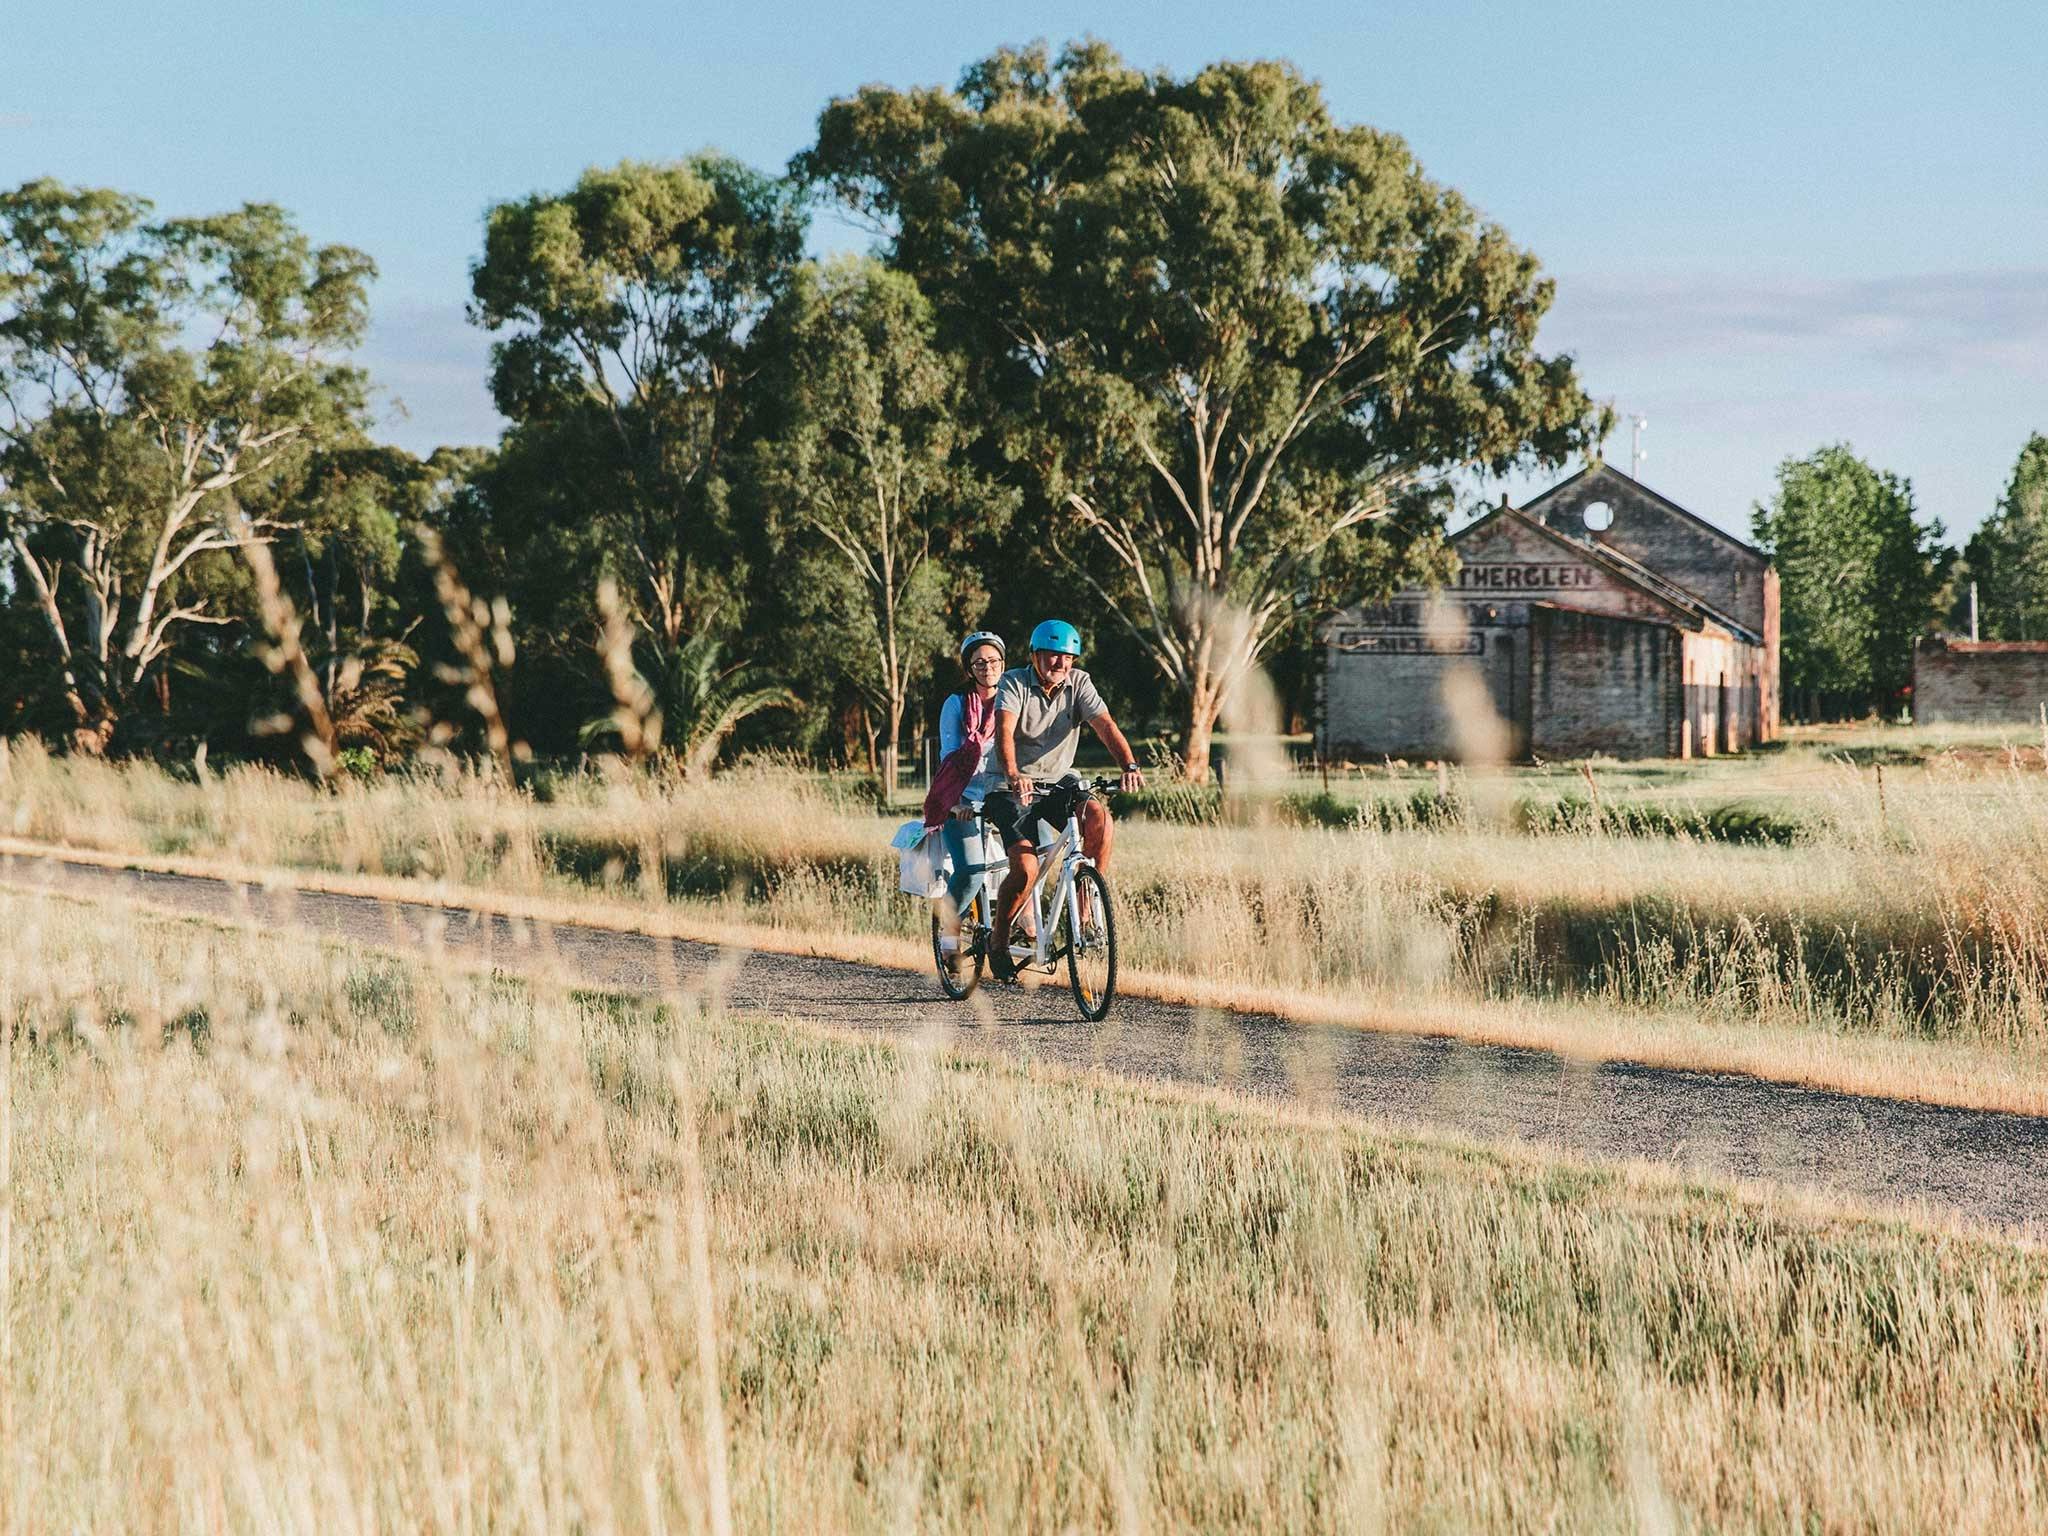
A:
[1599,517]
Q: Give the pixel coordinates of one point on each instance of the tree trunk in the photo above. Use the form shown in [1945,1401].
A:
[93,738]
[1205,702]
[1198,731]
[847,718]
[891,770]
[84,726]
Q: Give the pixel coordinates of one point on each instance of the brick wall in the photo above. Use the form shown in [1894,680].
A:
[1603,685]
[1968,682]
[1388,700]
[1386,664]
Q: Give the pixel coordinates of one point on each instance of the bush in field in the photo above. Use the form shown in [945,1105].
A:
[1727,823]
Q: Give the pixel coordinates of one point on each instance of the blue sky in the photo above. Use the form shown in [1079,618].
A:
[1772,226]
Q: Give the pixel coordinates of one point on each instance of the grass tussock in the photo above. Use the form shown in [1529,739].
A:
[311,1239]
[1913,909]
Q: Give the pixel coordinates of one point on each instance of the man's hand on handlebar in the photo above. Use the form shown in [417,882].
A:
[1020,786]
[1133,779]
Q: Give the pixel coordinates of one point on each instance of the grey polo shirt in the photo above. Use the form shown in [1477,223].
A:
[1048,725]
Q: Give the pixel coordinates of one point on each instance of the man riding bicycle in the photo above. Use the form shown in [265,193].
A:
[1040,710]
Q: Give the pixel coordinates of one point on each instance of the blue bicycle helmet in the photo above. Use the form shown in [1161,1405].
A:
[1056,635]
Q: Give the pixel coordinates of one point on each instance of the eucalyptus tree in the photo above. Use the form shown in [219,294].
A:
[628,303]
[864,470]
[159,383]
[1237,345]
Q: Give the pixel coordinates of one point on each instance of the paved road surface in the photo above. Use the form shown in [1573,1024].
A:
[1993,1167]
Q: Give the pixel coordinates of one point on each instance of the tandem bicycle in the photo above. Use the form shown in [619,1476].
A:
[1067,916]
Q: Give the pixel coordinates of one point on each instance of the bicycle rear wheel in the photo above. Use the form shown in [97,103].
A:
[959,967]
[1091,954]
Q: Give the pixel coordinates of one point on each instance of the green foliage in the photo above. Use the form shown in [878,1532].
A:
[1732,822]
[1422,809]
[366,701]
[1320,808]
[865,474]
[356,763]
[1431,809]
[162,385]
[2008,556]
[1859,575]
[1170,800]
[695,701]
[1239,345]
[629,302]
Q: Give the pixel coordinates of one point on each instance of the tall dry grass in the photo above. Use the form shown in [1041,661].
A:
[319,1240]
[1921,912]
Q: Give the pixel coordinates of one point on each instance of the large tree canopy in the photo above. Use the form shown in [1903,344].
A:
[1237,344]
[160,383]
[1859,573]
[630,300]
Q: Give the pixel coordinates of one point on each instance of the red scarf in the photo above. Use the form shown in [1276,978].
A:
[977,730]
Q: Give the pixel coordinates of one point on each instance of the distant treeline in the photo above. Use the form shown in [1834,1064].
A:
[1180,359]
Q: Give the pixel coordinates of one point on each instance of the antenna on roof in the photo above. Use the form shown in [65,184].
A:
[1636,451]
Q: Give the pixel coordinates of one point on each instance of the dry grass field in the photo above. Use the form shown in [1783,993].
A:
[1898,944]
[296,1238]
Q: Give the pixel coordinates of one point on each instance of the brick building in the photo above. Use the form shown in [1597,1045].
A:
[1979,682]
[1600,618]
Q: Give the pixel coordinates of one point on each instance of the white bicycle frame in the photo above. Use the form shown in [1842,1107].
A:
[1058,865]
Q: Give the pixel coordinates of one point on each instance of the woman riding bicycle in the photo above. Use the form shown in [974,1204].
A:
[967,751]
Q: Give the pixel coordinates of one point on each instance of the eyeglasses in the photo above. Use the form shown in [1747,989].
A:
[985,661]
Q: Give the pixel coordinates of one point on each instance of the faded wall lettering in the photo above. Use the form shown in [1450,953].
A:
[1527,576]
[1361,642]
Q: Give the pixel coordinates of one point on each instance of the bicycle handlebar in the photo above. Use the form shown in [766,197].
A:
[1097,785]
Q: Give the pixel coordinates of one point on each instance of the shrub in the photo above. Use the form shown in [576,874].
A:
[1734,822]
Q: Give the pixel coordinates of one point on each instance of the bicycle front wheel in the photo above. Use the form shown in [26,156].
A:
[1091,953]
[956,949]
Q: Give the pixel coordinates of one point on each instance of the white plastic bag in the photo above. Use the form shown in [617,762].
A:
[924,865]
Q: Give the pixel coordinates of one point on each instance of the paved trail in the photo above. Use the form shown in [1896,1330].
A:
[1990,1166]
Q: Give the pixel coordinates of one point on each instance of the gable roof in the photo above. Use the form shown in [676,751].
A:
[1657,498]
[1629,572]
